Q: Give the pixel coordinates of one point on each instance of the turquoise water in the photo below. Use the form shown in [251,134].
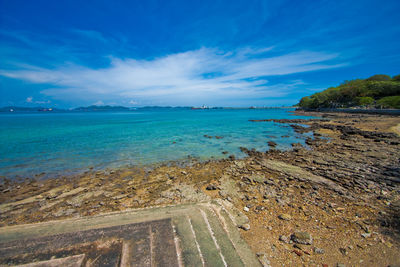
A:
[62,143]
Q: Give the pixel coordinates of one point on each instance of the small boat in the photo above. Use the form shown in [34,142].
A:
[202,107]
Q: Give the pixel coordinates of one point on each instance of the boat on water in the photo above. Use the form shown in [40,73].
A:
[202,107]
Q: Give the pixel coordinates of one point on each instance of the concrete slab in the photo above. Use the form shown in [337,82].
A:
[201,234]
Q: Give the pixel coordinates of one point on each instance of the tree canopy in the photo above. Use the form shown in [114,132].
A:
[380,91]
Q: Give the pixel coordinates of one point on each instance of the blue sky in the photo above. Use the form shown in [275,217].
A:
[219,53]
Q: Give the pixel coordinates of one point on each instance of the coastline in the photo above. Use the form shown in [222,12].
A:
[343,190]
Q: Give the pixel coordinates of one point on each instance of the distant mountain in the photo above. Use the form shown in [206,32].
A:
[102,108]
[159,107]
[29,109]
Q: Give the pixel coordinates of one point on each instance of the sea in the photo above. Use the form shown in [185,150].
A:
[46,144]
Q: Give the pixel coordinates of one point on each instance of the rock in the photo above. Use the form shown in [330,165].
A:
[222,194]
[298,246]
[211,187]
[246,209]
[298,252]
[318,250]
[285,217]
[366,235]
[284,239]
[260,208]
[258,178]
[269,193]
[245,227]
[272,144]
[302,238]
[62,212]
[343,251]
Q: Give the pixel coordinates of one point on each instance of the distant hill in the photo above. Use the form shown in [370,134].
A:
[378,91]
[28,109]
[101,108]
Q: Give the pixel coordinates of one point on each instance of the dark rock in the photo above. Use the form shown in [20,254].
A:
[272,144]
[211,187]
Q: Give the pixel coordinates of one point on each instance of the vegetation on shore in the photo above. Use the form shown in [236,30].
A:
[378,91]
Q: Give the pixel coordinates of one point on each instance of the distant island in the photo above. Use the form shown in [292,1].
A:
[379,91]
[102,108]
[94,108]
[28,109]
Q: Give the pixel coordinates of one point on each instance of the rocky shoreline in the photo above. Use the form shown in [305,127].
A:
[336,201]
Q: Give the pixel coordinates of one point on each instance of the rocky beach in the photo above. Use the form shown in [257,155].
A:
[334,201]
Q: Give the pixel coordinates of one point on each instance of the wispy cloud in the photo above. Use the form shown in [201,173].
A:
[192,77]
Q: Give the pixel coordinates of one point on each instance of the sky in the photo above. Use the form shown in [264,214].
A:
[70,53]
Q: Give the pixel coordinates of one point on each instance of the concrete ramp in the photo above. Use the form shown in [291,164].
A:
[202,234]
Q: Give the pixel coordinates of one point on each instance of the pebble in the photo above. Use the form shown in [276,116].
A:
[211,187]
[298,252]
[365,235]
[245,227]
[246,209]
[343,251]
[319,250]
[302,238]
[285,217]
[284,239]
[298,246]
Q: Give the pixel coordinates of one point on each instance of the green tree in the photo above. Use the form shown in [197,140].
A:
[396,78]
[357,92]
[379,77]
[365,101]
[390,102]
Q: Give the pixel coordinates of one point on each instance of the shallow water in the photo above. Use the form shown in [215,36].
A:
[61,143]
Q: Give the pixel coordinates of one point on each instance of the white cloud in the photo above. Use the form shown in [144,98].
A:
[192,77]
[98,103]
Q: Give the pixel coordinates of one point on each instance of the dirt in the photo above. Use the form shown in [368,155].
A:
[343,189]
